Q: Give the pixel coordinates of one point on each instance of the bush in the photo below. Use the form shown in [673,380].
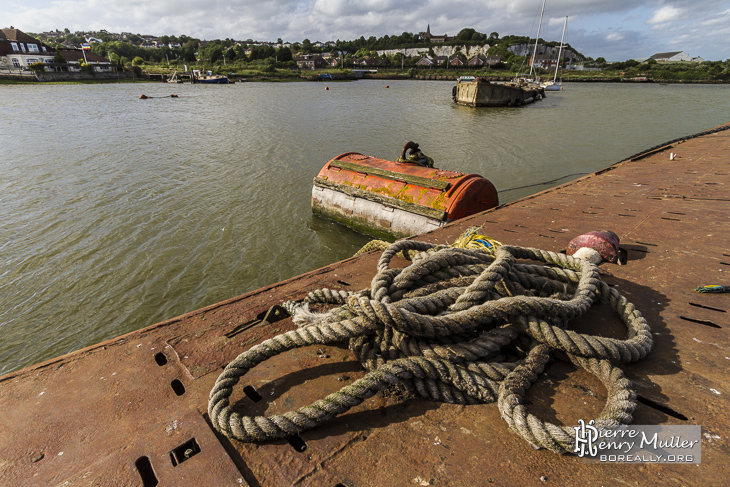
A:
[38,68]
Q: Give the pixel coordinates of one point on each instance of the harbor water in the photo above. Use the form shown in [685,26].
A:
[118,212]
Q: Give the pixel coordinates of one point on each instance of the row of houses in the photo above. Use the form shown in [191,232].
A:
[317,61]
[18,51]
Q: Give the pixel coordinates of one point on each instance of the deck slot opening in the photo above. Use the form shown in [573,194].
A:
[510,231]
[272,315]
[724,263]
[184,452]
[661,407]
[297,443]
[178,387]
[144,467]
[647,243]
[252,393]
[344,283]
[697,305]
[672,219]
[701,322]
[160,358]
[545,236]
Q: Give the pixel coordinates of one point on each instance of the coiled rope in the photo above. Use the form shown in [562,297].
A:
[458,325]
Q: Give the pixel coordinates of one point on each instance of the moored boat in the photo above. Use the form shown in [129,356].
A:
[393,199]
[483,93]
[209,78]
[556,85]
[174,78]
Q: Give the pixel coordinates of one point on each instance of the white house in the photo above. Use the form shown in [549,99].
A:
[671,56]
[18,50]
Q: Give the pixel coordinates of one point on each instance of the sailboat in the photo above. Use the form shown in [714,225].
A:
[537,40]
[556,85]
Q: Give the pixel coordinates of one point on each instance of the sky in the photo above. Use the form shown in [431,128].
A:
[616,30]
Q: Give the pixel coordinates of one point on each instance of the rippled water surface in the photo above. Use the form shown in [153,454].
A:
[117,212]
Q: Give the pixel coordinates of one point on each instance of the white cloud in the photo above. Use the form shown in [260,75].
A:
[666,14]
[616,30]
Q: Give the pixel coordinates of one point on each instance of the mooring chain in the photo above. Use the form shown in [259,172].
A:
[448,328]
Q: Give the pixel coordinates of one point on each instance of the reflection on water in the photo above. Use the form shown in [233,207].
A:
[119,212]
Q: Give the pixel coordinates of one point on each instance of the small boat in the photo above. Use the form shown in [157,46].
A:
[556,85]
[209,78]
[174,78]
[480,92]
[395,199]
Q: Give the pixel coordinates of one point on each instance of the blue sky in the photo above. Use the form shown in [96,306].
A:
[614,29]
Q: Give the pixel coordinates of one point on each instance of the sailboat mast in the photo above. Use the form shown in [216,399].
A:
[537,39]
[560,51]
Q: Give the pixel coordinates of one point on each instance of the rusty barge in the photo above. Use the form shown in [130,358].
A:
[133,410]
[479,92]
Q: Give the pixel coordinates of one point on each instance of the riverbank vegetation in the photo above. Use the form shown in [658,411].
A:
[278,61]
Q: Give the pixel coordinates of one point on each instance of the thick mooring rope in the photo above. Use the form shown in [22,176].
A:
[457,325]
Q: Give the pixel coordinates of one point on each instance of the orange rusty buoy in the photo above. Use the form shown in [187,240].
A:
[396,199]
[326,88]
[387,86]
[142,97]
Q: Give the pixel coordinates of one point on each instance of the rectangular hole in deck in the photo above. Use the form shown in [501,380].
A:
[701,322]
[630,216]
[297,443]
[144,467]
[545,236]
[661,407]
[511,231]
[697,305]
[252,393]
[724,263]
[344,283]
[672,219]
[184,452]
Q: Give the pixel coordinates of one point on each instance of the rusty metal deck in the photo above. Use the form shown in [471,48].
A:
[124,412]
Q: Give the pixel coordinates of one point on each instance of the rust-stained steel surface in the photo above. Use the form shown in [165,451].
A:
[126,411]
